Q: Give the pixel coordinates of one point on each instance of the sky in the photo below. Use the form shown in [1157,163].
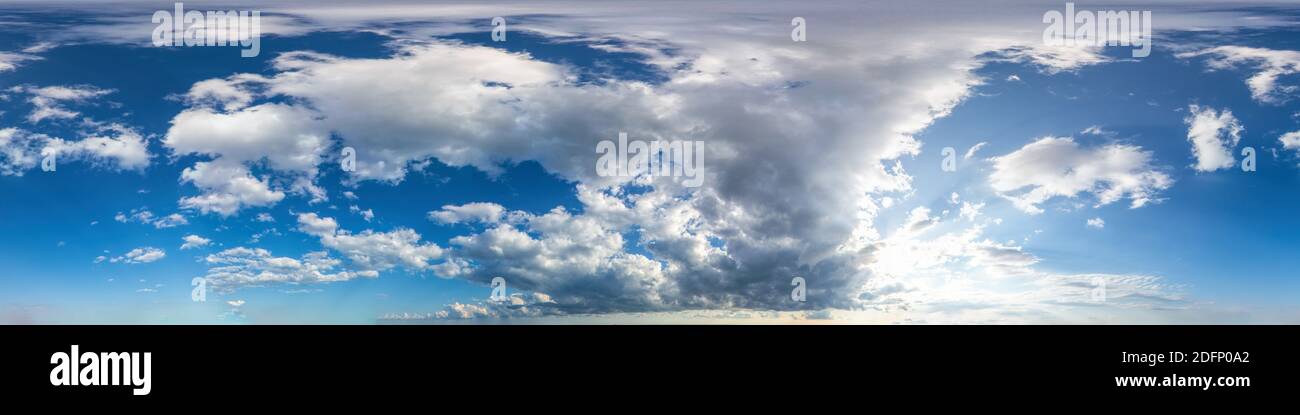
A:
[941,162]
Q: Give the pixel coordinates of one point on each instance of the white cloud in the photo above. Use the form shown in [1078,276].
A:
[1270,64]
[476,212]
[973,149]
[39,47]
[225,94]
[367,214]
[576,259]
[1052,59]
[970,211]
[313,224]
[9,61]
[113,146]
[257,237]
[145,216]
[142,255]
[51,101]
[370,250]
[1290,141]
[226,188]
[19,151]
[1213,135]
[1096,130]
[194,241]
[241,267]
[518,305]
[919,219]
[1057,166]
[117,143]
[170,221]
[1096,223]
[288,138]
[791,184]
[141,215]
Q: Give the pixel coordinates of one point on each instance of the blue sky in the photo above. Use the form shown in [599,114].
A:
[1225,233]
[476,160]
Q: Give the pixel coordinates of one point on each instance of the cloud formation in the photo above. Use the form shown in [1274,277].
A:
[50,102]
[1270,65]
[145,216]
[372,251]
[1059,167]
[1290,141]
[141,255]
[241,267]
[112,146]
[1213,135]
[194,241]
[792,185]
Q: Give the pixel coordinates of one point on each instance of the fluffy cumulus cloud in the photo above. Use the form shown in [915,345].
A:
[282,138]
[1059,167]
[971,211]
[241,267]
[118,146]
[1270,66]
[367,214]
[1213,135]
[369,250]
[224,94]
[194,241]
[577,260]
[469,212]
[1096,223]
[227,187]
[111,146]
[19,151]
[1290,141]
[141,255]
